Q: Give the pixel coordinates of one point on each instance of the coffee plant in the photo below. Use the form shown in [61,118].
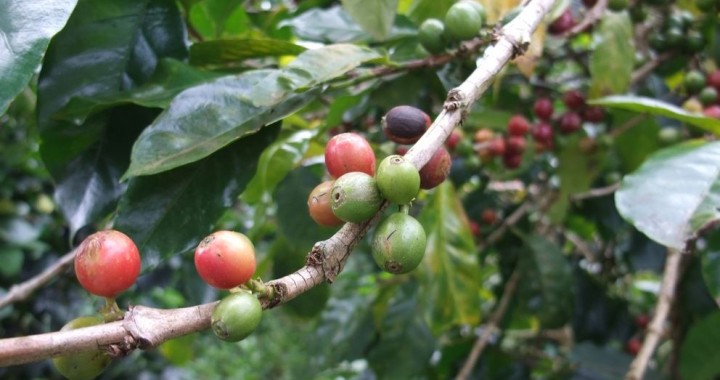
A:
[378,189]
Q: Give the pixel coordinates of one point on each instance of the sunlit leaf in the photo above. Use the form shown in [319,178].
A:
[613,55]
[234,51]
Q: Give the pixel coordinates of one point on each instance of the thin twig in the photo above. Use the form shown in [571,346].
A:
[591,17]
[20,292]
[491,326]
[595,193]
[508,222]
[656,328]
[649,66]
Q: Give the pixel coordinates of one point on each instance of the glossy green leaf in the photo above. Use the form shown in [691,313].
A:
[700,353]
[577,170]
[25,29]
[204,119]
[424,9]
[374,16]
[234,51]
[217,18]
[332,25]
[674,193]
[169,213]
[546,282]
[659,108]
[276,162]
[170,78]
[613,55]
[450,273]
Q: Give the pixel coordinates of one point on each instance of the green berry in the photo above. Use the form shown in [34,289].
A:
[398,179]
[399,243]
[84,364]
[668,135]
[462,21]
[355,197]
[708,95]
[430,35]
[236,316]
[694,81]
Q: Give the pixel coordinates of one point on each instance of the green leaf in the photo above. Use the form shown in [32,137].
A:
[233,51]
[711,272]
[276,162]
[169,213]
[170,78]
[700,353]
[424,9]
[374,16]
[613,55]
[25,29]
[330,25]
[215,18]
[659,108]
[635,144]
[577,170]
[204,119]
[546,282]
[450,273]
[674,193]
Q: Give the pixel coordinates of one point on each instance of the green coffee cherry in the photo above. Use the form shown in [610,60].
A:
[355,197]
[430,35]
[399,243]
[694,81]
[398,179]
[84,365]
[462,21]
[708,95]
[236,316]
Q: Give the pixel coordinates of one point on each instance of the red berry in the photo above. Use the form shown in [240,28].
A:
[401,150]
[319,205]
[225,259]
[562,24]
[474,228]
[496,146]
[107,263]
[518,126]
[436,170]
[512,160]
[349,152]
[515,145]
[633,346]
[574,100]
[454,139]
[543,109]
[712,111]
[542,132]
[642,321]
[570,122]
[593,114]
[489,216]
[713,79]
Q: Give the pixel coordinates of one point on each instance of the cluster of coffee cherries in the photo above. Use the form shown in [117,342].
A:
[358,190]
[462,21]
[702,90]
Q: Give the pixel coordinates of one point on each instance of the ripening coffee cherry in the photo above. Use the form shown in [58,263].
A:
[236,316]
[84,364]
[543,109]
[563,23]
[225,259]
[574,100]
[515,144]
[399,243]
[436,170]
[708,96]
[405,124]
[349,152]
[489,216]
[713,79]
[319,205]
[454,139]
[497,147]
[107,263]
[483,135]
[463,21]
[430,35]
[398,179]
[570,122]
[542,132]
[518,126]
[593,114]
[355,197]
[712,111]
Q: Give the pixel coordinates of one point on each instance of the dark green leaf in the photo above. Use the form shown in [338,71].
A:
[700,353]
[233,51]
[576,170]
[25,29]
[450,273]
[546,282]
[212,18]
[613,55]
[374,16]
[674,193]
[711,271]
[659,108]
[635,144]
[169,213]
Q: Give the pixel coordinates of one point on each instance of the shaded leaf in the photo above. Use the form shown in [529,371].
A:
[234,51]
[169,213]
[659,108]
[674,193]
[374,16]
[636,143]
[449,273]
[212,18]
[613,55]
[700,353]
[25,29]
[576,170]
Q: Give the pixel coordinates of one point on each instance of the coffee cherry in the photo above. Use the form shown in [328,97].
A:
[319,205]
[543,109]
[349,152]
[515,145]
[236,316]
[405,124]
[355,197]
[708,96]
[475,228]
[633,346]
[712,111]
[512,160]
[483,135]
[518,126]
[693,105]
[542,132]
[713,79]
[436,170]
[489,216]
[497,147]
[593,114]
[454,139]
[642,321]
[399,243]
[462,21]
[570,122]
[225,259]
[107,263]
[574,100]
[694,42]
[563,23]
[401,150]
[87,364]
[430,35]
[398,179]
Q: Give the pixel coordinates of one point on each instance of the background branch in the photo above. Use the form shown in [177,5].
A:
[23,290]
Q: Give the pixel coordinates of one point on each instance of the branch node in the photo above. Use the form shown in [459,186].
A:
[455,100]
[279,291]
[315,258]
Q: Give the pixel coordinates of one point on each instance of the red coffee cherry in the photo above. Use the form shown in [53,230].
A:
[515,145]
[489,216]
[570,122]
[562,24]
[512,160]
[400,150]
[319,205]
[436,170]
[593,114]
[542,132]
[642,321]
[496,147]
[633,346]
[107,263]
[713,79]
[712,111]
[405,124]
[518,126]
[454,139]
[543,108]
[574,100]
[349,152]
[225,259]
